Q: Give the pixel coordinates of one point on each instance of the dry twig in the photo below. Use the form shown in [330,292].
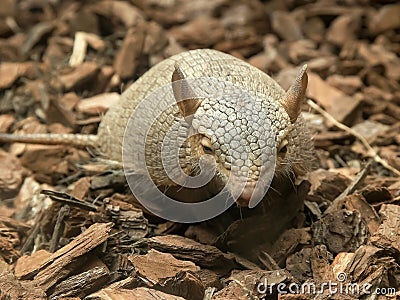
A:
[371,151]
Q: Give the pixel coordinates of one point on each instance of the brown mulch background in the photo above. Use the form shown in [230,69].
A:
[69,228]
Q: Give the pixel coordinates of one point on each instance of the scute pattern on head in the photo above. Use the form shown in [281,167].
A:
[240,129]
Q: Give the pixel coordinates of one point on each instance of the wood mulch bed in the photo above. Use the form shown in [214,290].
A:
[69,226]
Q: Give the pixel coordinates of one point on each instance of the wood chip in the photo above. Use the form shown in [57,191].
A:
[81,188]
[12,175]
[203,31]
[36,33]
[128,57]
[10,72]
[149,265]
[49,272]
[287,244]
[344,29]
[5,122]
[385,19]
[342,230]
[11,231]
[80,76]
[286,26]
[129,294]
[173,276]
[82,284]
[82,40]
[326,185]
[186,249]
[347,84]
[98,104]
[340,106]
[11,288]
[248,284]
[388,236]
[28,264]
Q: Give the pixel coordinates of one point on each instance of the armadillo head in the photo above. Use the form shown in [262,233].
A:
[244,133]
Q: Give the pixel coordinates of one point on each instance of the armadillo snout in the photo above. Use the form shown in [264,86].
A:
[246,193]
[249,193]
[249,190]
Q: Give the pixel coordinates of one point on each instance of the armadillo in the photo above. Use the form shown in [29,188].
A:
[290,149]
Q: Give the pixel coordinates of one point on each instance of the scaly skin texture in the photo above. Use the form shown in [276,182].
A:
[215,64]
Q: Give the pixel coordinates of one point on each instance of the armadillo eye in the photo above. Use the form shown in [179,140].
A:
[283,147]
[207,150]
[206,145]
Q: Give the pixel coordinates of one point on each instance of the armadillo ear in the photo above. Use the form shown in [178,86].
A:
[184,95]
[295,94]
